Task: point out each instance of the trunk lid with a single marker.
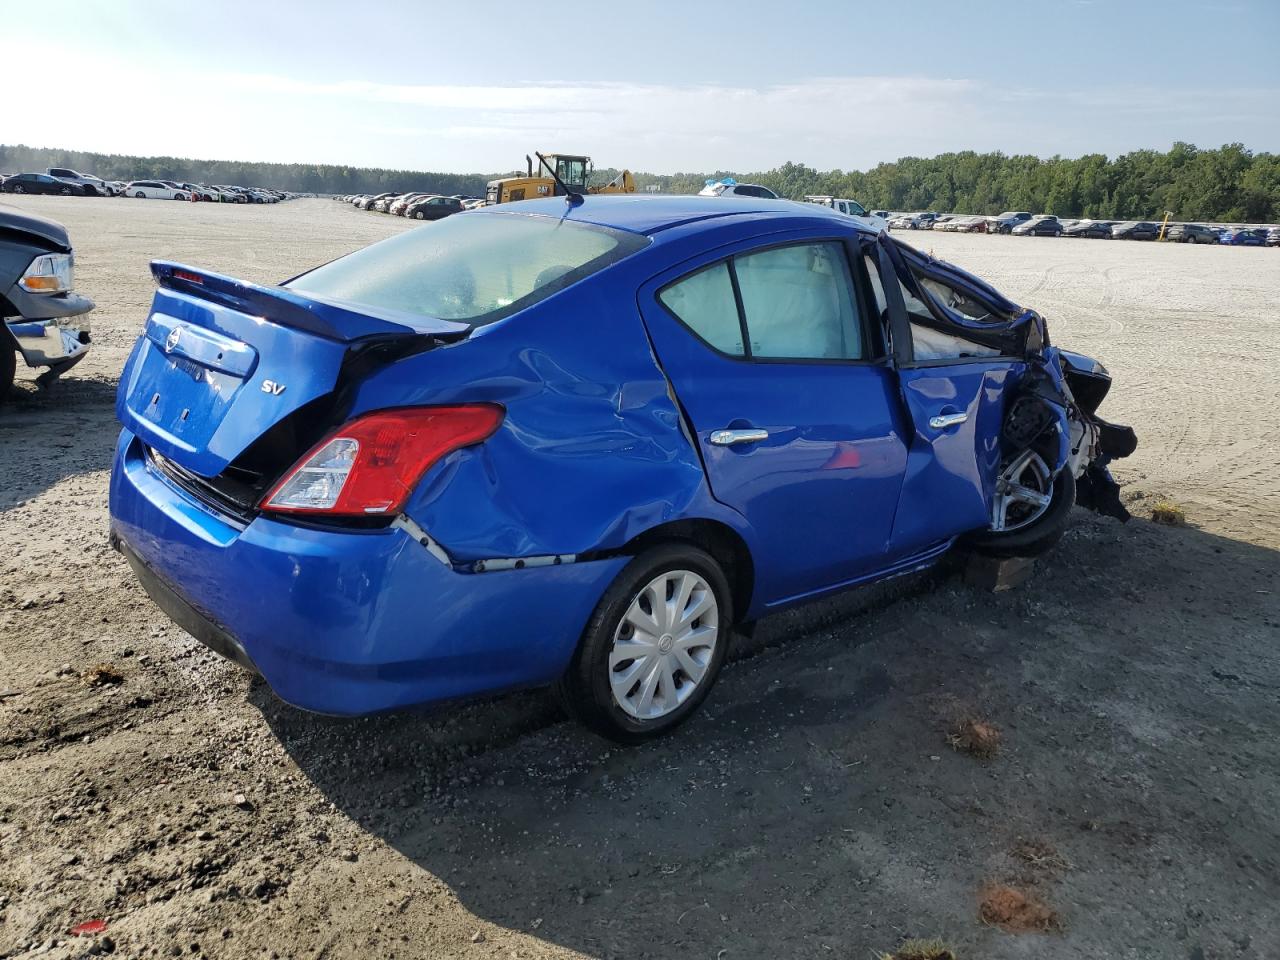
(222, 361)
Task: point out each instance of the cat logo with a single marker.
(273, 388)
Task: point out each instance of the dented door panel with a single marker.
(952, 462)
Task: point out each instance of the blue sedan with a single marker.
(575, 441)
(1241, 237)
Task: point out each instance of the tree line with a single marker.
(296, 177)
(1228, 183)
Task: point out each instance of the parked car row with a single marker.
(213, 193)
(62, 181)
(1021, 223)
(416, 206)
(43, 183)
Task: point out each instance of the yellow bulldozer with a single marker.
(564, 173)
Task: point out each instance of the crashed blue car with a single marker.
(575, 442)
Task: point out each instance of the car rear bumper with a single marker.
(345, 621)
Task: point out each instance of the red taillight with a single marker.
(370, 466)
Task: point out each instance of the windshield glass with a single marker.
(475, 268)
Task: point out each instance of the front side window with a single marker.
(928, 342)
(877, 288)
(952, 299)
(474, 269)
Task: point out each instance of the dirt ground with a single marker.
(816, 808)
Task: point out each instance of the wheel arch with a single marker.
(717, 538)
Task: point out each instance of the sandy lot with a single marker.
(814, 809)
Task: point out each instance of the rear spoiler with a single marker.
(323, 318)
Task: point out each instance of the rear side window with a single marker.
(476, 268)
(704, 302)
(797, 303)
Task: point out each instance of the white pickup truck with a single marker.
(851, 208)
(84, 179)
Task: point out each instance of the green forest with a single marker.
(1227, 183)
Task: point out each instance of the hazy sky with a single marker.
(657, 86)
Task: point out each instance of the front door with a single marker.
(955, 370)
(775, 360)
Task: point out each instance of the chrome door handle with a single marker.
(944, 420)
(727, 438)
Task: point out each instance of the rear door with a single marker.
(776, 365)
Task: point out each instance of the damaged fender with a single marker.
(592, 452)
(1053, 408)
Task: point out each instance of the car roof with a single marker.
(649, 213)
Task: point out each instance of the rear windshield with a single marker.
(475, 268)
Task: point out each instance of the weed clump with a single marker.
(921, 950)
(1169, 514)
(1013, 910)
(103, 675)
(978, 738)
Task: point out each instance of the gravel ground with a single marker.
(817, 807)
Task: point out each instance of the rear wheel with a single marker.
(140, 195)
(65, 191)
(653, 647)
(1030, 510)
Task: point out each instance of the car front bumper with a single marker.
(345, 622)
(50, 331)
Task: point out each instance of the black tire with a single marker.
(1035, 538)
(8, 362)
(19, 189)
(584, 689)
(419, 215)
(65, 192)
(140, 195)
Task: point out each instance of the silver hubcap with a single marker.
(664, 644)
(1024, 491)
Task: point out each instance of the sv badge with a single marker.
(273, 388)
